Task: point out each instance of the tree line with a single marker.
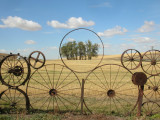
(80, 50)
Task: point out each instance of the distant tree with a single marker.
(65, 51)
(83, 51)
(95, 50)
(89, 49)
(75, 50)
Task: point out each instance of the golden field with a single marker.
(54, 87)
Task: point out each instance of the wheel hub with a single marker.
(13, 104)
(131, 59)
(153, 62)
(155, 88)
(111, 93)
(53, 92)
(17, 70)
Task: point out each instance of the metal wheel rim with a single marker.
(147, 65)
(131, 62)
(15, 99)
(106, 95)
(61, 54)
(36, 59)
(53, 92)
(4, 70)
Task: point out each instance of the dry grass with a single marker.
(68, 86)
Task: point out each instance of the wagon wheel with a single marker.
(56, 89)
(151, 62)
(37, 59)
(109, 89)
(150, 108)
(152, 88)
(131, 59)
(14, 70)
(13, 100)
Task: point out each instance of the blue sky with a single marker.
(28, 25)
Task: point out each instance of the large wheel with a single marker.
(152, 88)
(14, 70)
(80, 62)
(13, 100)
(109, 89)
(54, 88)
(151, 62)
(131, 59)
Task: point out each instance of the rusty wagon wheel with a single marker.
(131, 59)
(151, 62)
(150, 108)
(36, 59)
(54, 88)
(152, 88)
(109, 89)
(13, 100)
(14, 70)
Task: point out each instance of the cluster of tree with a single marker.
(80, 50)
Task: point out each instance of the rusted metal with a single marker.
(131, 59)
(53, 92)
(139, 78)
(77, 71)
(150, 108)
(152, 88)
(106, 91)
(35, 61)
(140, 100)
(111, 93)
(13, 100)
(14, 70)
(56, 89)
(150, 62)
(82, 95)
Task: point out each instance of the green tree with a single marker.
(75, 50)
(95, 48)
(83, 51)
(65, 51)
(89, 49)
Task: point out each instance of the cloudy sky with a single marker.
(28, 25)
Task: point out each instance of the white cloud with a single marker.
(125, 46)
(147, 27)
(105, 4)
(143, 40)
(3, 51)
(71, 23)
(17, 22)
(30, 42)
(118, 30)
(71, 39)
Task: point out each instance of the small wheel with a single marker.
(56, 89)
(131, 59)
(151, 62)
(152, 88)
(37, 59)
(13, 100)
(109, 89)
(14, 70)
(150, 108)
